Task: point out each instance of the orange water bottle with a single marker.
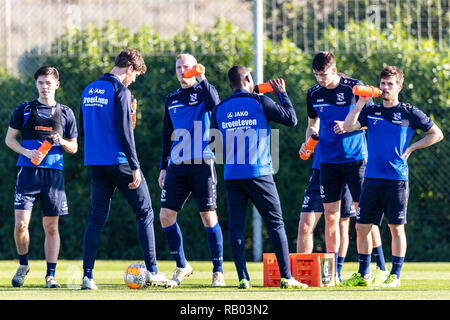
(194, 71)
(310, 145)
(44, 149)
(263, 88)
(366, 91)
(134, 108)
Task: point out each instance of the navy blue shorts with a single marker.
(383, 197)
(334, 176)
(106, 179)
(44, 184)
(312, 201)
(183, 179)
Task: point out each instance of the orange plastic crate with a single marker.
(314, 269)
(271, 271)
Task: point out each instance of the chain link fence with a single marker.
(305, 22)
(30, 26)
(29, 29)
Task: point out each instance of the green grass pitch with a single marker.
(419, 281)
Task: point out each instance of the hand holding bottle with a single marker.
(41, 152)
(307, 148)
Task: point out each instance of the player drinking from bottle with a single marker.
(390, 127)
(187, 166)
(244, 122)
(36, 121)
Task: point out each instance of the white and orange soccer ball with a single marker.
(135, 276)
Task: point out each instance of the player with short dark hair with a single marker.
(390, 127)
(47, 71)
(110, 152)
(36, 121)
(187, 166)
(243, 120)
(343, 155)
(133, 58)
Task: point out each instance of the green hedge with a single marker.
(426, 86)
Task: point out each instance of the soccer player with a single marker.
(36, 121)
(187, 166)
(343, 155)
(312, 209)
(390, 127)
(106, 124)
(243, 120)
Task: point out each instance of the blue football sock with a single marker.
(397, 264)
(340, 263)
(215, 242)
(364, 264)
(379, 257)
(51, 267)
(23, 259)
(175, 242)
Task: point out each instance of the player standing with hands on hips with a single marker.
(110, 152)
(187, 165)
(39, 122)
(342, 154)
(243, 120)
(390, 127)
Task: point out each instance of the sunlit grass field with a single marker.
(419, 281)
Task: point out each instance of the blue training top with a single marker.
(105, 122)
(316, 155)
(187, 119)
(20, 117)
(389, 131)
(330, 105)
(244, 122)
